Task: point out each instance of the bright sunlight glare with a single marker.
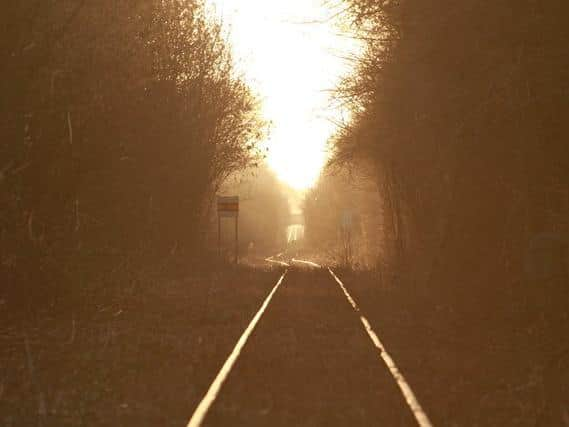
(293, 55)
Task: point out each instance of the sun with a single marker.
(292, 54)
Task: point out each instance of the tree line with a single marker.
(118, 123)
(458, 117)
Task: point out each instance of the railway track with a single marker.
(255, 357)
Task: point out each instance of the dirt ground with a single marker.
(145, 355)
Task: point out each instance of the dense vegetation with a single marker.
(459, 117)
(456, 161)
(118, 123)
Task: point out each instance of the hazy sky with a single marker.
(292, 65)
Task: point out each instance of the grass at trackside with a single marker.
(139, 354)
(499, 359)
(142, 348)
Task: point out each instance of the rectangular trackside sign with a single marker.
(228, 206)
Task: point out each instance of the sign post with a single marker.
(346, 227)
(228, 207)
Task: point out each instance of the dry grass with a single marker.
(140, 354)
